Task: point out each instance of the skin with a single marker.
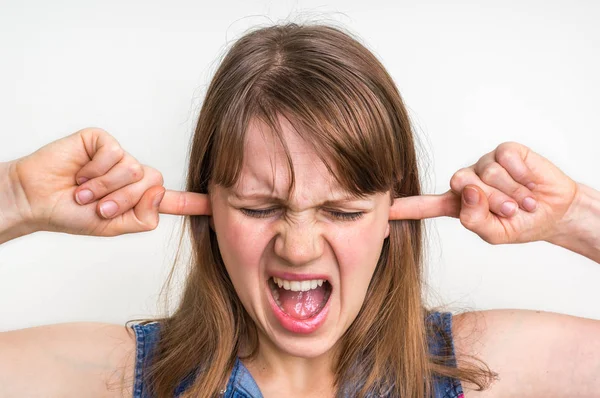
(300, 234)
(43, 191)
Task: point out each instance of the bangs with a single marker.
(329, 108)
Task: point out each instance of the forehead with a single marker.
(266, 167)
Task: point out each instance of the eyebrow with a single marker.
(255, 196)
(336, 201)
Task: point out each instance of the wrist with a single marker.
(13, 219)
(579, 230)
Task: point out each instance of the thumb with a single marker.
(146, 211)
(475, 209)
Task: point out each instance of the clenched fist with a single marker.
(87, 184)
(511, 195)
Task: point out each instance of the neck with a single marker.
(277, 372)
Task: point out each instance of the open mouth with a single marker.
(300, 300)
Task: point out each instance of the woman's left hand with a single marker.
(511, 195)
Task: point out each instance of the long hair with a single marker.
(339, 98)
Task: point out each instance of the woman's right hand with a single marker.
(86, 184)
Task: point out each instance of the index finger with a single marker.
(426, 206)
(185, 203)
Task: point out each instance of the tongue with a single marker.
(302, 305)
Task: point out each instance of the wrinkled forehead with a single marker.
(272, 162)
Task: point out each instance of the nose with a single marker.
(299, 243)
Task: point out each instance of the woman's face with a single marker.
(317, 242)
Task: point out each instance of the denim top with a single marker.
(242, 385)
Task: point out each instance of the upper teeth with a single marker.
(298, 286)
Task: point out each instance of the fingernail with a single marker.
(471, 196)
(157, 199)
(531, 186)
(529, 203)
(108, 209)
(81, 180)
(84, 196)
(508, 208)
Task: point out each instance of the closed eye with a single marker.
(345, 216)
(261, 213)
(339, 215)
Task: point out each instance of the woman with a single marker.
(305, 208)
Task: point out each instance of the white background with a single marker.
(473, 75)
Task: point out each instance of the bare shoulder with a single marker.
(67, 360)
(535, 353)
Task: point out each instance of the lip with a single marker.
(304, 326)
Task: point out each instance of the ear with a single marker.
(387, 227)
(396, 209)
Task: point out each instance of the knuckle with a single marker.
(492, 172)
(495, 197)
(459, 179)
(181, 203)
(508, 146)
(136, 171)
(154, 176)
(116, 150)
(520, 192)
(88, 130)
(125, 201)
(100, 185)
(159, 178)
(505, 153)
(508, 157)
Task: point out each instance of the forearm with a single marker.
(12, 223)
(580, 231)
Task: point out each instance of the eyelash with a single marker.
(340, 215)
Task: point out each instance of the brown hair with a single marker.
(339, 97)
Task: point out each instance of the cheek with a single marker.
(358, 249)
(357, 253)
(241, 243)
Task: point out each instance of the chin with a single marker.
(304, 346)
